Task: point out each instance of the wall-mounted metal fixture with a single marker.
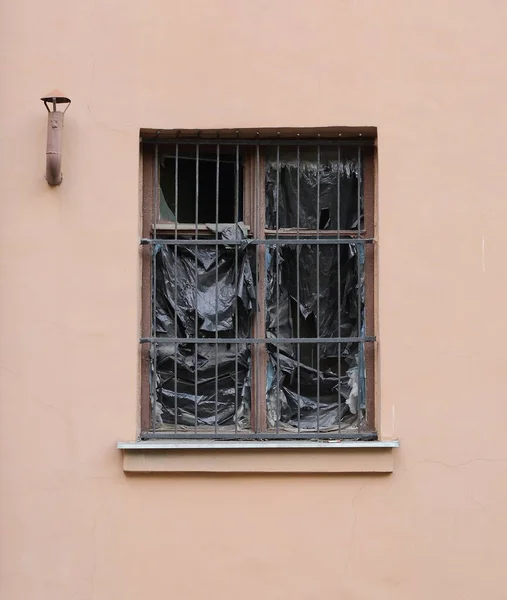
(54, 142)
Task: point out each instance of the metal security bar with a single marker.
(259, 258)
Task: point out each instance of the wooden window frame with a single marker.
(254, 218)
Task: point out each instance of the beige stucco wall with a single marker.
(431, 75)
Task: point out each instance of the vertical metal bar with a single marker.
(368, 179)
(318, 288)
(259, 254)
(259, 360)
(277, 250)
(298, 325)
(338, 275)
(217, 194)
(154, 347)
(236, 274)
(176, 168)
(196, 269)
(359, 294)
(256, 348)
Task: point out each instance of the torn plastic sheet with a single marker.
(186, 289)
(292, 385)
(334, 262)
(296, 406)
(314, 177)
(192, 279)
(221, 401)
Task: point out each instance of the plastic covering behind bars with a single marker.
(313, 171)
(212, 381)
(313, 386)
(308, 386)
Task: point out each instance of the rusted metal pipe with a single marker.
(54, 137)
(54, 148)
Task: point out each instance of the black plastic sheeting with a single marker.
(312, 174)
(330, 369)
(186, 289)
(225, 401)
(293, 184)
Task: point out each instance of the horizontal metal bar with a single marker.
(255, 242)
(263, 142)
(305, 231)
(191, 444)
(190, 228)
(149, 435)
(279, 341)
(194, 158)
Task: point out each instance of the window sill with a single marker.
(157, 456)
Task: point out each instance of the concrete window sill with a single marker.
(258, 457)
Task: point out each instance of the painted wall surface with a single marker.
(432, 76)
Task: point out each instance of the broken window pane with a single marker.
(207, 201)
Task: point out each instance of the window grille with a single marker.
(258, 277)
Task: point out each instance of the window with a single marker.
(258, 273)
